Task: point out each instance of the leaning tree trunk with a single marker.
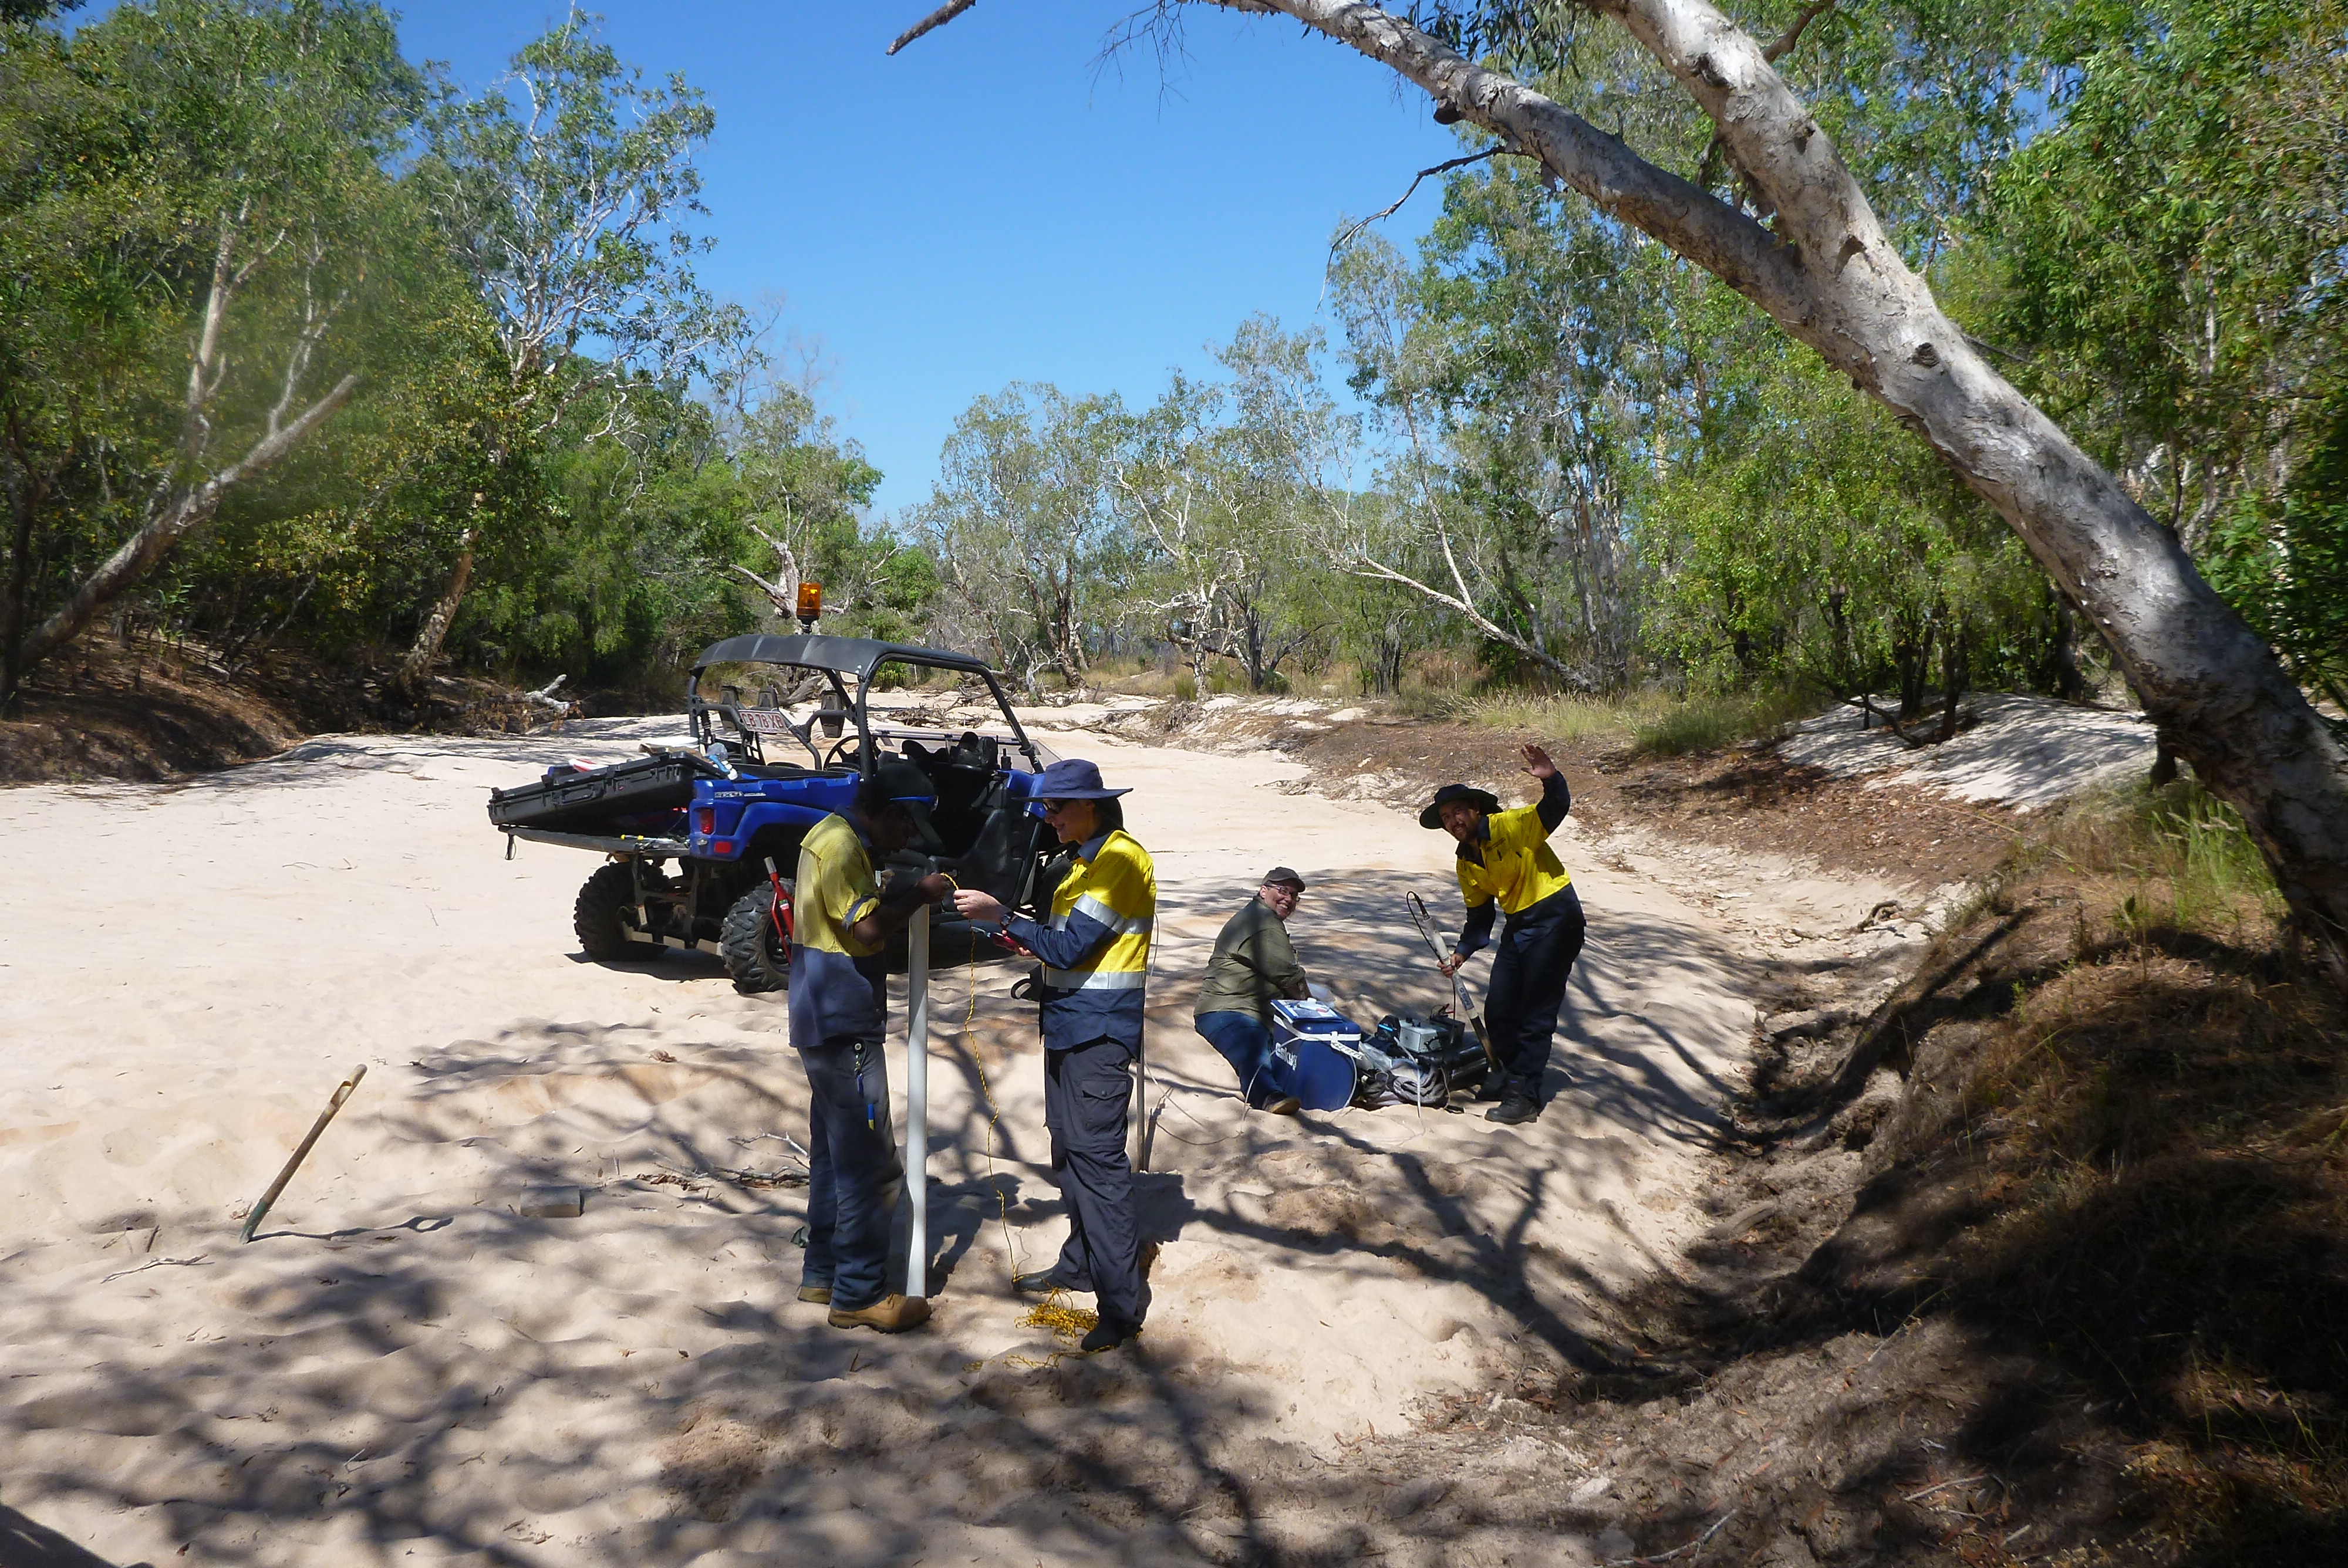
(435, 629)
(1830, 277)
(175, 514)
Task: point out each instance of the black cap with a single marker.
(1482, 800)
(1282, 873)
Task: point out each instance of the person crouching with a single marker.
(1254, 963)
(840, 1017)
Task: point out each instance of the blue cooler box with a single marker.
(1312, 1051)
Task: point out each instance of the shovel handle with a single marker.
(261, 1209)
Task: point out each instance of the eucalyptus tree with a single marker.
(1024, 523)
(1775, 210)
(563, 188)
(1501, 511)
(195, 224)
(1225, 482)
(2170, 259)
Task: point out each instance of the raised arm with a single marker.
(1556, 799)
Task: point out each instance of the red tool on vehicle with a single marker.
(780, 910)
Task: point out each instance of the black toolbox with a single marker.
(568, 798)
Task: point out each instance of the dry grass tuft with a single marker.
(2165, 1116)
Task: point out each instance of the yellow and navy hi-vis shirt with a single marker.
(1510, 864)
(1096, 951)
(839, 986)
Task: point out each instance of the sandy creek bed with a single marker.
(403, 1370)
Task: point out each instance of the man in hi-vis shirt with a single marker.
(840, 1015)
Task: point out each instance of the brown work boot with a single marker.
(1286, 1105)
(820, 1294)
(890, 1315)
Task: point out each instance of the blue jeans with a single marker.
(852, 1172)
(1241, 1039)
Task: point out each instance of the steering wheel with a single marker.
(844, 752)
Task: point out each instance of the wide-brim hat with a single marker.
(1484, 801)
(1072, 778)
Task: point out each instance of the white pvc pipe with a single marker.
(917, 1102)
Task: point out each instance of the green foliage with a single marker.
(508, 275)
(1710, 722)
(1639, 472)
(197, 235)
(2168, 260)
(2172, 248)
(1224, 485)
(562, 189)
(1025, 525)
(2283, 562)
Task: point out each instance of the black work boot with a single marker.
(1515, 1106)
(1109, 1334)
(1046, 1281)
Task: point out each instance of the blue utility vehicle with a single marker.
(703, 840)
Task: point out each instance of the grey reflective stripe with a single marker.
(1093, 909)
(1093, 979)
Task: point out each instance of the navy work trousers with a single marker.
(1534, 957)
(853, 1175)
(1086, 1092)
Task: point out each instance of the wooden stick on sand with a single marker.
(260, 1210)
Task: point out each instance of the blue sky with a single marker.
(985, 207)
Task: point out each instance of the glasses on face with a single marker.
(1055, 807)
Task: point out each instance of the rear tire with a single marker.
(605, 912)
(753, 950)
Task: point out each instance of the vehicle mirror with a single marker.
(833, 721)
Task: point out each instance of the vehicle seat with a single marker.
(962, 782)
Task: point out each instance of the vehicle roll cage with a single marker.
(842, 663)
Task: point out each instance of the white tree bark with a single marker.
(174, 516)
(783, 592)
(1826, 273)
(180, 503)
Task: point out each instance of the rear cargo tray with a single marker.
(569, 799)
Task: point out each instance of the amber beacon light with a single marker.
(811, 603)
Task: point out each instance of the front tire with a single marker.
(605, 912)
(753, 950)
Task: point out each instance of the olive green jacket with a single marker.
(1253, 963)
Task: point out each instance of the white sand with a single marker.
(2026, 752)
(402, 1370)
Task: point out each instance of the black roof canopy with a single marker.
(856, 656)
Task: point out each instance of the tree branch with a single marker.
(1708, 167)
(1345, 235)
(145, 549)
(1793, 35)
(930, 23)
